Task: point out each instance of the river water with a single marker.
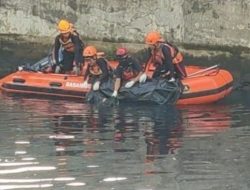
(49, 144)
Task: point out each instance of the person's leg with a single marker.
(156, 74)
(180, 70)
(67, 63)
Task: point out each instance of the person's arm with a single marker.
(78, 50)
(137, 69)
(56, 49)
(118, 77)
(86, 74)
(104, 67)
(117, 84)
(168, 60)
(148, 57)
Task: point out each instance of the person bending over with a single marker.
(67, 49)
(96, 71)
(128, 71)
(166, 59)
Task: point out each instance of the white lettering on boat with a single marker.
(77, 85)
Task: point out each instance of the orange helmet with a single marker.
(64, 26)
(89, 51)
(153, 37)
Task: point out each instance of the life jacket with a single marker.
(157, 57)
(95, 69)
(85, 66)
(68, 45)
(75, 33)
(128, 74)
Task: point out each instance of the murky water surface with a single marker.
(49, 144)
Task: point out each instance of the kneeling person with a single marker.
(128, 70)
(166, 59)
(97, 70)
(69, 45)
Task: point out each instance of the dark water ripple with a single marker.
(48, 144)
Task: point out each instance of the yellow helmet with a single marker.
(64, 26)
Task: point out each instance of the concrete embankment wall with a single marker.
(206, 23)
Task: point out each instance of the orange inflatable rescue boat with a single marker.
(203, 85)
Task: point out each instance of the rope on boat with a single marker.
(203, 71)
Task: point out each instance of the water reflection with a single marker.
(162, 127)
(77, 144)
(206, 120)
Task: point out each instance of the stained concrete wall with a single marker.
(217, 22)
(206, 22)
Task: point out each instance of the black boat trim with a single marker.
(57, 91)
(52, 91)
(207, 92)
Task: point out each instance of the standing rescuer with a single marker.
(96, 71)
(67, 48)
(166, 60)
(128, 70)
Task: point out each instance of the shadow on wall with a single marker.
(18, 53)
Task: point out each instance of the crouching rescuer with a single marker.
(128, 71)
(165, 59)
(67, 49)
(96, 68)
